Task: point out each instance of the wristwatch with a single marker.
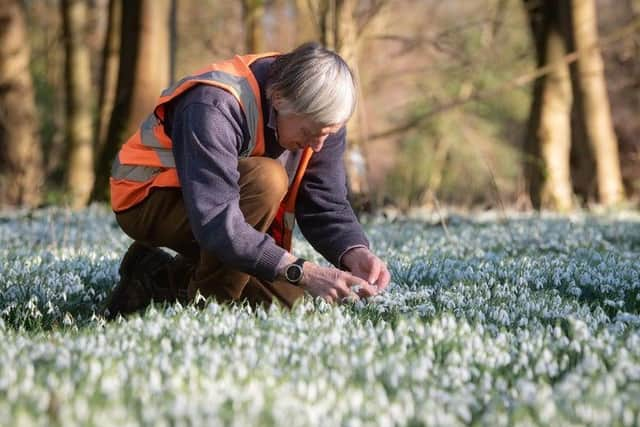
(294, 272)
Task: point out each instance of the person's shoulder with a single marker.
(205, 98)
(260, 68)
(206, 106)
(208, 95)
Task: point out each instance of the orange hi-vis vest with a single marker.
(146, 160)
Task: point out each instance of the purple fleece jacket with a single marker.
(209, 131)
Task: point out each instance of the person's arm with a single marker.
(206, 142)
(327, 220)
(323, 212)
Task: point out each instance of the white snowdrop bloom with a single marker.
(94, 370)
(460, 310)
(628, 417)
(110, 384)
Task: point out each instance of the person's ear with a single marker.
(277, 101)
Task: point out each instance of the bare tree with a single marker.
(142, 74)
(306, 27)
(173, 40)
(548, 139)
(593, 101)
(252, 15)
(79, 130)
(346, 42)
(570, 110)
(21, 176)
(341, 25)
(108, 73)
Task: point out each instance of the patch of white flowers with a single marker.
(518, 320)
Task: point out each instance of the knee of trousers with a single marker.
(263, 178)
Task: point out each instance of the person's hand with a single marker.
(334, 285)
(362, 263)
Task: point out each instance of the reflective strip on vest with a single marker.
(139, 173)
(135, 173)
(147, 137)
(289, 220)
(243, 90)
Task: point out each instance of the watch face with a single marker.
(293, 273)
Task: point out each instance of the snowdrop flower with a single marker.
(537, 313)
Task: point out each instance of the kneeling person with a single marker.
(228, 160)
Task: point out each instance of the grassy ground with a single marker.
(493, 320)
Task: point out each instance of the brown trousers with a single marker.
(161, 220)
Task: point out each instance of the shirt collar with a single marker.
(272, 122)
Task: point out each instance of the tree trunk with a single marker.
(338, 31)
(108, 73)
(21, 175)
(327, 22)
(547, 145)
(152, 67)
(142, 75)
(347, 45)
(306, 21)
(173, 40)
(78, 127)
(346, 38)
(593, 103)
(252, 14)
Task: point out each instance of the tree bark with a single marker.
(327, 22)
(346, 38)
(78, 129)
(108, 73)
(351, 23)
(593, 102)
(152, 67)
(142, 75)
(252, 15)
(338, 30)
(347, 45)
(547, 144)
(306, 26)
(21, 176)
(173, 40)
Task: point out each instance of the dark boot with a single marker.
(143, 278)
(180, 271)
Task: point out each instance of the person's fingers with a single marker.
(352, 280)
(383, 279)
(347, 287)
(367, 291)
(343, 290)
(351, 298)
(330, 296)
(360, 286)
(374, 271)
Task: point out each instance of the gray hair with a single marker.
(314, 81)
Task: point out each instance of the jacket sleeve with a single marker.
(206, 142)
(323, 212)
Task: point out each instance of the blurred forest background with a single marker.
(474, 103)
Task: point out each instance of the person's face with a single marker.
(296, 132)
